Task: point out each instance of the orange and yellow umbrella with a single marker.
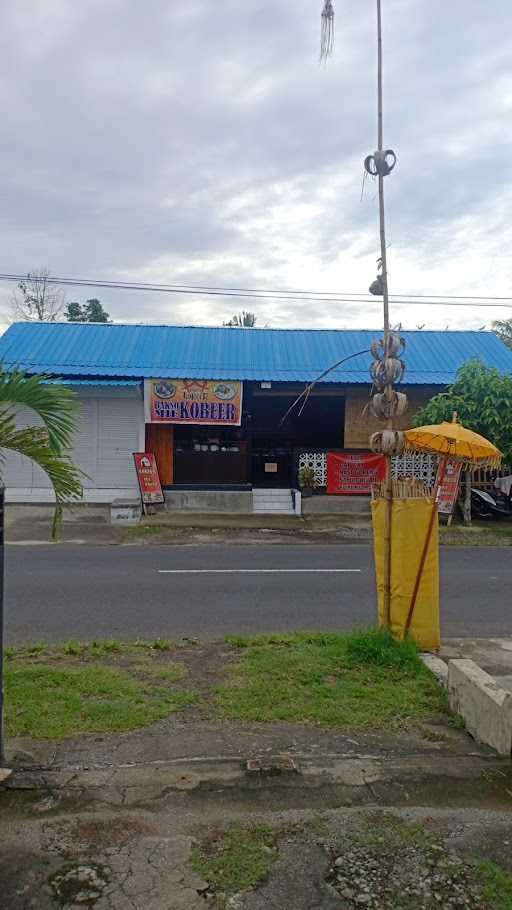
(454, 441)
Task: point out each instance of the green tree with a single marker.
(503, 329)
(74, 312)
(482, 397)
(242, 320)
(90, 311)
(47, 445)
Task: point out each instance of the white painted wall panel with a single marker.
(109, 431)
(118, 439)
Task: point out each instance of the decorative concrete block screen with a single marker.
(421, 466)
(415, 464)
(317, 461)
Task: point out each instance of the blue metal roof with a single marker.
(96, 382)
(85, 350)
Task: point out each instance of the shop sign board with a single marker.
(193, 401)
(449, 488)
(148, 477)
(350, 473)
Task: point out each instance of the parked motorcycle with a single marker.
(495, 505)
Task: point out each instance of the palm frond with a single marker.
(32, 442)
(57, 406)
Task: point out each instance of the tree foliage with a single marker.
(48, 444)
(503, 329)
(242, 320)
(90, 311)
(37, 298)
(482, 398)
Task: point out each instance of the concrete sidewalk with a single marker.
(493, 655)
(116, 822)
(89, 526)
(372, 819)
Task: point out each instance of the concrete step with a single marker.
(276, 502)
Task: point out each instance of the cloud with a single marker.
(203, 143)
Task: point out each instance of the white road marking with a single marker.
(243, 571)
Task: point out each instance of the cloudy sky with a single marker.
(200, 142)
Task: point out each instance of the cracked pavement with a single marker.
(109, 861)
(109, 822)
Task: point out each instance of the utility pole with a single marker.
(384, 272)
(387, 367)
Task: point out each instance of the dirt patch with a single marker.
(92, 836)
(206, 666)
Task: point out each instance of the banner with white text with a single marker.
(194, 401)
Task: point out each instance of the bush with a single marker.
(378, 647)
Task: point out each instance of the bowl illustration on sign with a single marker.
(224, 391)
(164, 389)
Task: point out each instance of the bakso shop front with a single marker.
(216, 408)
(238, 434)
(194, 427)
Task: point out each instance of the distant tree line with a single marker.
(38, 298)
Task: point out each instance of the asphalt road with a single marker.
(67, 591)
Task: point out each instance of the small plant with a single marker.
(497, 885)
(307, 478)
(73, 648)
(162, 644)
(108, 646)
(35, 649)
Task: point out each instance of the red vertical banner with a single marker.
(449, 488)
(350, 474)
(149, 480)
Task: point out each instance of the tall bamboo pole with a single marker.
(388, 388)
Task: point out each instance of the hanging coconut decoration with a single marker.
(327, 31)
(388, 406)
(386, 372)
(387, 442)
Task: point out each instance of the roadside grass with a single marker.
(355, 681)
(478, 534)
(497, 885)
(91, 650)
(56, 691)
(239, 859)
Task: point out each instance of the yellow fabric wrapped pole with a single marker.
(409, 525)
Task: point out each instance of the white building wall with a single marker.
(111, 428)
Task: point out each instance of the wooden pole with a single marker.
(428, 538)
(388, 490)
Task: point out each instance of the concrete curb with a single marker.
(484, 705)
(353, 779)
(437, 666)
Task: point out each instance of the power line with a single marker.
(262, 294)
(268, 291)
